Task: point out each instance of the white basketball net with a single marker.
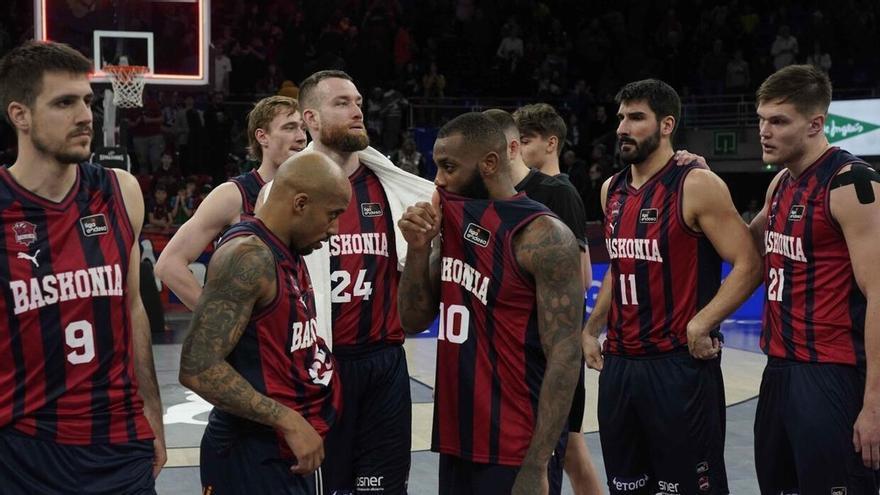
(128, 84)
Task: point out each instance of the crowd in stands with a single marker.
(571, 53)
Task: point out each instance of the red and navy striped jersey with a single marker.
(280, 352)
(662, 271)
(815, 311)
(249, 185)
(490, 363)
(363, 269)
(66, 360)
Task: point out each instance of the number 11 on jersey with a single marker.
(630, 287)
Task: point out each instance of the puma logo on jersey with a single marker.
(36, 293)
(367, 243)
(637, 249)
(459, 272)
(33, 259)
(786, 245)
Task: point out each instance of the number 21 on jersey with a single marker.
(776, 285)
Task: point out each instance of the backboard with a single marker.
(171, 37)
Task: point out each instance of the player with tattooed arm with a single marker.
(253, 350)
(501, 277)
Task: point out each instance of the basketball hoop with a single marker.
(128, 84)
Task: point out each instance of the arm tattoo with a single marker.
(418, 296)
(548, 250)
(241, 276)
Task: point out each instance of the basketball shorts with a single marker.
(368, 449)
(30, 466)
(462, 477)
(804, 430)
(661, 424)
(236, 462)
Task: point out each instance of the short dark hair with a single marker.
(661, 98)
(22, 69)
(541, 119)
(804, 86)
(307, 87)
(480, 131)
(503, 119)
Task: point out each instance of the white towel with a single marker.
(402, 189)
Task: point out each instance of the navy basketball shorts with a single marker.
(661, 424)
(30, 466)
(578, 403)
(368, 449)
(245, 463)
(462, 477)
(804, 430)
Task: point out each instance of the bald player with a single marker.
(253, 350)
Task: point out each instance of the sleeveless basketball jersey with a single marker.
(490, 363)
(814, 311)
(363, 268)
(66, 357)
(662, 272)
(249, 185)
(280, 353)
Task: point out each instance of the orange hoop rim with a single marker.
(126, 69)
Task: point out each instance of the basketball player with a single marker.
(275, 133)
(667, 227)
(369, 449)
(79, 403)
(562, 199)
(253, 350)
(817, 427)
(510, 312)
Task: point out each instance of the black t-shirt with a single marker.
(557, 194)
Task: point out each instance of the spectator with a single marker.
(820, 58)
(737, 79)
(160, 212)
(592, 191)
(289, 89)
(784, 49)
(511, 49)
(713, 68)
(393, 106)
(409, 159)
(222, 68)
(752, 210)
(434, 83)
(168, 175)
(182, 205)
(145, 127)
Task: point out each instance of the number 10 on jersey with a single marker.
(455, 322)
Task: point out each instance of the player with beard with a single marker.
(275, 133)
(667, 228)
(253, 349)
(817, 426)
(510, 315)
(369, 449)
(79, 402)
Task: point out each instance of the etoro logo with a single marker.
(629, 484)
(838, 127)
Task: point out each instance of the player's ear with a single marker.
(667, 125)
(513, 149)
(300, 203)
(262, 137)
(490, 163)
(18, 115)
(817, 124)
(552, 145)
(311, 119)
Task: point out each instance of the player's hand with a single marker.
(160, 455)
(531, 480)
(701, 344)
(683, 157)
(866, 434)
(592, 351)
(420, 224)
(306, 444)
